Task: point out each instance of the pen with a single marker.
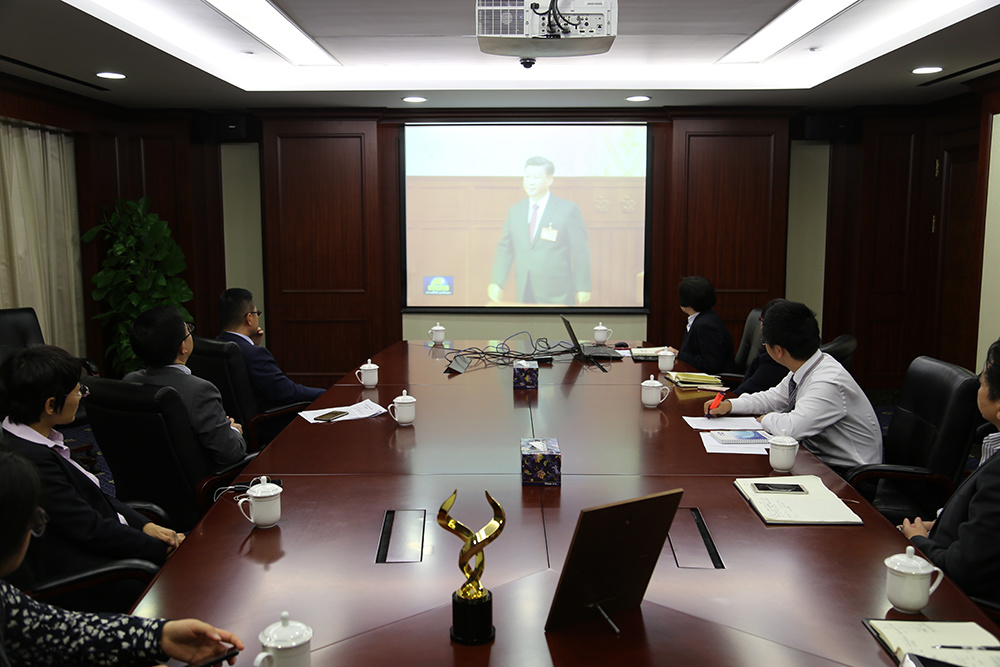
(968, 648)
(715, 403)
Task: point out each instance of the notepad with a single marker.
(920, 638)
(819, 505)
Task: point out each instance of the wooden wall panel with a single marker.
(331, 260)
(729, 215)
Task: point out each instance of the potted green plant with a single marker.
(141, 270)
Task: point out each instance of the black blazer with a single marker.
(964, 541)
(708, 345)
(83, 529)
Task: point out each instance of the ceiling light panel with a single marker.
(798, 20)
(262, 20)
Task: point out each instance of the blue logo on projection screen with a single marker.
(440, 285)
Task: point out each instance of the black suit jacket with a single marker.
(83, 529)
(271, 387)
(707, 345)
(965, 540)
(762, 374)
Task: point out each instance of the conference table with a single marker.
(728, 589)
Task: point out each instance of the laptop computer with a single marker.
(595, 351)
(612, 556)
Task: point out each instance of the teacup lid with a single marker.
(264, 489)
(404, 398)
(368, 366)
(909, 563)
(285, 633)
(782, 439)
(652, 382)
(666, 353)
(437, 327)
(600, 325)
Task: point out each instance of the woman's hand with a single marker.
(192, 640)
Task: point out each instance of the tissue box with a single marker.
(540, 462)
(525, 375)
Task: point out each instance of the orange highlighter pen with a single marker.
(715, 403)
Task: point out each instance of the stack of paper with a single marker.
(695, 381)
(818, 505)
(969, 644)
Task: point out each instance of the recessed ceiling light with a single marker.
(414, 99)
(110, 75)
(927, 70)
(637, 98)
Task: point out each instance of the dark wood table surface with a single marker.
(785, 595)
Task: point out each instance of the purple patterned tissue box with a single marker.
(541, 462)
(525, 375)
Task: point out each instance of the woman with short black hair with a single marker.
(37, 634)
(707, 344)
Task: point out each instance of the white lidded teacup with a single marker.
(367, 375)
(285, 644)
(654, 392)
(666, 360)
(783, 449)
(602, 333)
(908, 581)
(436, 333)
(263, 502)
(403, 409)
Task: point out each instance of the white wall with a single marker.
(808, 186)
(989, 314)
(241, 212)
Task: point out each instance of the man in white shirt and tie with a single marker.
(818, 403)
(545, 240)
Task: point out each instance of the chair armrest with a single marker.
(891, 471)
(118, 570)
(151, 511)
(90, 367)
(279, 411)
(223, 477)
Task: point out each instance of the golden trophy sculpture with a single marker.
(472, 605)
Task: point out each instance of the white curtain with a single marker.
(39, 231)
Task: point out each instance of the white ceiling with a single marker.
(666, 49)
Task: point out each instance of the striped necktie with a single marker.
(533, 222)
(792, 386)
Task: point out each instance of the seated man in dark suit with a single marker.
(162, 339)
(707, 344)
(39, 390)
(962, 541)
(241, 324)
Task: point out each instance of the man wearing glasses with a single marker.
(162, 339)
(241, 324)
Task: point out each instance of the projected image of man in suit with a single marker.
(546, 242)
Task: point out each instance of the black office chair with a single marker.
(221, 363)
(842, 349)
(145, 435)
(750, 345)
(928, 442)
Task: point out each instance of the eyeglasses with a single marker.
(258, 313)
(190, 330)
(84, 391)
(38, 522)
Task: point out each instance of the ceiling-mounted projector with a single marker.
(532, 29)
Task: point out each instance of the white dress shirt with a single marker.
(832, 417)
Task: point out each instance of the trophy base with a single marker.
(472, 620)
